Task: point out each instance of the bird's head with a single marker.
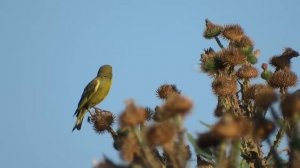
(105, 71)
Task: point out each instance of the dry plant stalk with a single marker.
(156, 138)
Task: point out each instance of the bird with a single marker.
(93, 93)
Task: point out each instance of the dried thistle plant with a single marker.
(250, 103)
(157, 138)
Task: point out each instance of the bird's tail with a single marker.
(80, 115)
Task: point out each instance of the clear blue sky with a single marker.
(51, 49)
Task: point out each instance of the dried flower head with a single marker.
(252, 91)
(232, 128)
(227, 129)
(211, 30)
(232, 56)
(290, 106)
(247, 72)
(289, 52)
(233, 32)
(262, 95)
(280, 62)
(157, 114)
(165, 91)
(283, 79)
(102, 120)
(211, 61)
(150, 113)
(207, 60)
(208, 139)
(160, 134)
(284, 60)
(176, 104)
(132, 115)
(224, 86)
(130, 148)
(265, 97)
(246, 44)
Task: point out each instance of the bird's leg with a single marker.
(90, 112)
(96, 108)
(90, 118)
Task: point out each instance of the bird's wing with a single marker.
(88, 92)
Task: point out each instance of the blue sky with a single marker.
(51, 49)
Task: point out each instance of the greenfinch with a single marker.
(93, 93)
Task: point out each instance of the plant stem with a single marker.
(151, 161)
(276, 142)
(219, 42)
(221, 156)
(181, 150)
(112, 132)
(234, 154)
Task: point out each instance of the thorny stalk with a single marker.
(242, 124)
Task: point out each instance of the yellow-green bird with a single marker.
(93, 93)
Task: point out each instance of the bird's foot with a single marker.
(97, 109)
